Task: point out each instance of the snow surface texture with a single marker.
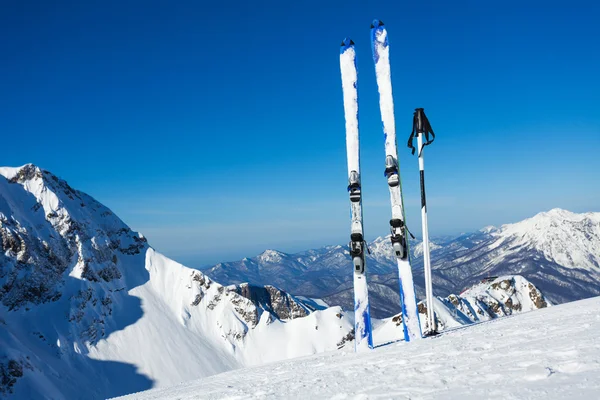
(89, 310)
(569, 239)
(548, 354)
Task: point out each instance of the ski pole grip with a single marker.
(419, 112)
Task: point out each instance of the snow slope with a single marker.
(547, 354)
(567, 238)
(89, 310)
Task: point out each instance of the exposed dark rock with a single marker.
(536, 297)
(26, 173)
(10, 370)
(274, 300)
(348, 338)
(109, 273)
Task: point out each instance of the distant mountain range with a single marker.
(559, 251)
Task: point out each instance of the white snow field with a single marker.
(552, 353)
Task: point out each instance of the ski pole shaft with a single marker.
(426, 254)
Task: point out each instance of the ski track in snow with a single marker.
(551, 353)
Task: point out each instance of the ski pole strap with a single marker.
(421, 125)
(409, 232)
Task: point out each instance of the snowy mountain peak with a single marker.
(418, 248)
(49, 229)
(271, 256)
(381, 239)
(558, 213)
(27, 171)
(564, 237)
(488, 229)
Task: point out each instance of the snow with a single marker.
(418, 248)
(567, 238)
(11, 172)
(147, 322)
(488, 229)
(169, 317)
(272, 256)
(164, 323)
(499, 290)
(551, 353)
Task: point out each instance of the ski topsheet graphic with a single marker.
(381, 56)
(362, 319)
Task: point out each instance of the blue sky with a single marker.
(217, 128)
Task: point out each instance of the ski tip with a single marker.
(346, 44)
(376, 24)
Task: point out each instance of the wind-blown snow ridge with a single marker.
(547, 354)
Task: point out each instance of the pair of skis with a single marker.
(410, 314)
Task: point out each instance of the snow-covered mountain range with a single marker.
(558, 251)
(88, 309)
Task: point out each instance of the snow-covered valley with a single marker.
(548, 354)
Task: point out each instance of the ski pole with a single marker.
(421, 127)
